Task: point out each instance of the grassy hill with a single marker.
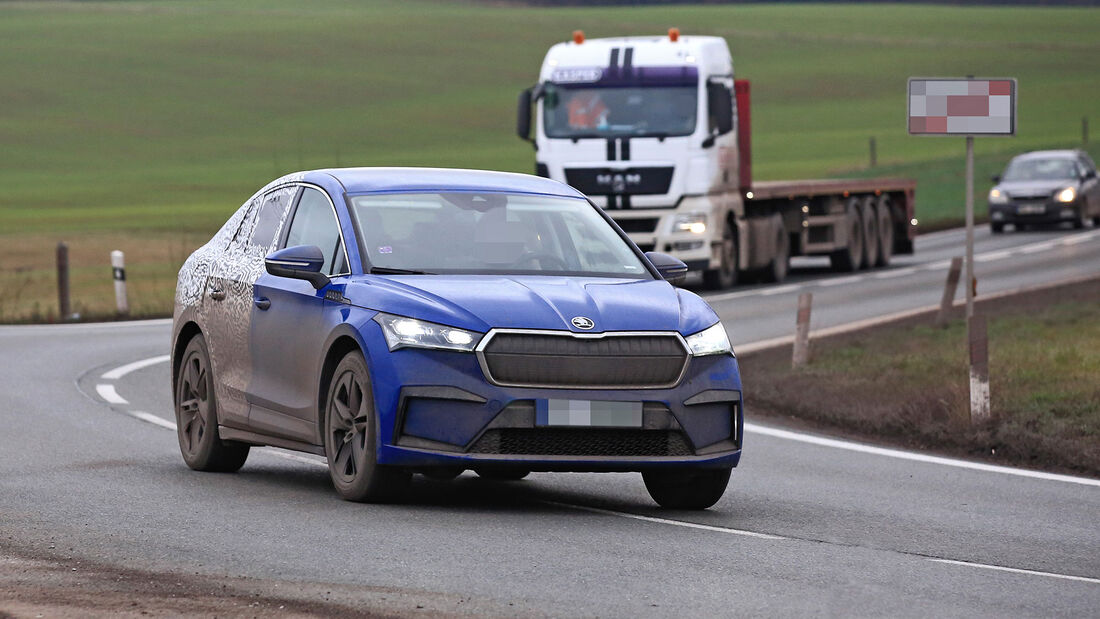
(142, 125)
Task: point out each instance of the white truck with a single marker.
(656, 130)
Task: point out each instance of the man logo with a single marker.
(581, 322)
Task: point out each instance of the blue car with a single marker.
(403, 320)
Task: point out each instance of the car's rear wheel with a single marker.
(507, 474)
(351, 438)
(692, 489)
(197, 415)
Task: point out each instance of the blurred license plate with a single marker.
(588, 413)
(1031, 209)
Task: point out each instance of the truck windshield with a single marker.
(490, 233)
(571, 112)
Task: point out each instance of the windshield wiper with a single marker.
(393, 271)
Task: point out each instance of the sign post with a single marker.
(968, 107)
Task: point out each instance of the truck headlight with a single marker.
(996, 196)
(690, 222)
(403, 332)
(710, 341)
(1069, 194)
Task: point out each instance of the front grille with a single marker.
(631, 181)
(612, 361)
(582, 442)
(646, 224)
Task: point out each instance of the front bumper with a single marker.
(1034, 212)
(436, 408)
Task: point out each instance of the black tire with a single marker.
(442, 474)
(1082, 216)
(197, 415)
(693, 489)
(869, 218)
(996, 227)
(351, 438)
(1096, 221)
(726, 275)
(885, 232)
(848, 258)
(506, 474)
(776, 270)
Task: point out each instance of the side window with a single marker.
(273, 207)
(315, 224)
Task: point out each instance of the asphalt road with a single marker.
(90, 473)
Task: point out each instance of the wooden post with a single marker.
(63, 305)
(800, 355)
(874, 153)
(118, 272)
(979, 369)
(949, 288)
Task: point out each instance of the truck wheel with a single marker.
(698, 489)
(724, 276)
(885, 232)
(848, 258)
(870, 233)
(776, 270)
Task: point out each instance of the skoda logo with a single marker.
(581, 322)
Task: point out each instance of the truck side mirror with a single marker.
(720, 107)
(523, 115)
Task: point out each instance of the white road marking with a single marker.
(895, 273)
(1037, 247)
(781, 289)
(993, 255)
(913, 456)
(726, 296)
(1080, 238)
(1014, 570)
(675, 523)
(107, 392)
(123, 370)
(153, 419)
(840, 281)
(936, 266)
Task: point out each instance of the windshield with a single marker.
(1041, 170)
(492, 233)
(611, 112)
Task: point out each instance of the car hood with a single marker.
(482, 302)
(1035, 189)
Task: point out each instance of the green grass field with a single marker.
(144, 124)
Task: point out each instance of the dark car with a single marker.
(1046, 187)
(404, 321)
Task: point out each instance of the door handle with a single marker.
(263, 303)
(217, 294)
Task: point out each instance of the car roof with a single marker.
(368, 180)
(1050, 154)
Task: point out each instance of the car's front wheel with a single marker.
(197, 415)
(351, 438)
(691, 489)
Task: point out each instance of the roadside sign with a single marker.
(962, 106)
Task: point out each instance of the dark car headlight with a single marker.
(710, 341)
(404, 332)
(996, 196)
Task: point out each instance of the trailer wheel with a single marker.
(885, 232)
(848, 258)
(776, 270)
(869, 217)
(724, 276)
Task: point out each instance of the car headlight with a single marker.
(690, 222)
(996, 196)
(403, 332)
(710, 341)
(1069, 194)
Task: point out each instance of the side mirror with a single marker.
(1090, 174)
(672, 269)
(523, 115)
(996, 178)
(299, 262)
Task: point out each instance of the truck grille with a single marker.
(629, 361)
(648, 224)
(631, 181)
(582, 442)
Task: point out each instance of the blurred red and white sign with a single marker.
(950, 106)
